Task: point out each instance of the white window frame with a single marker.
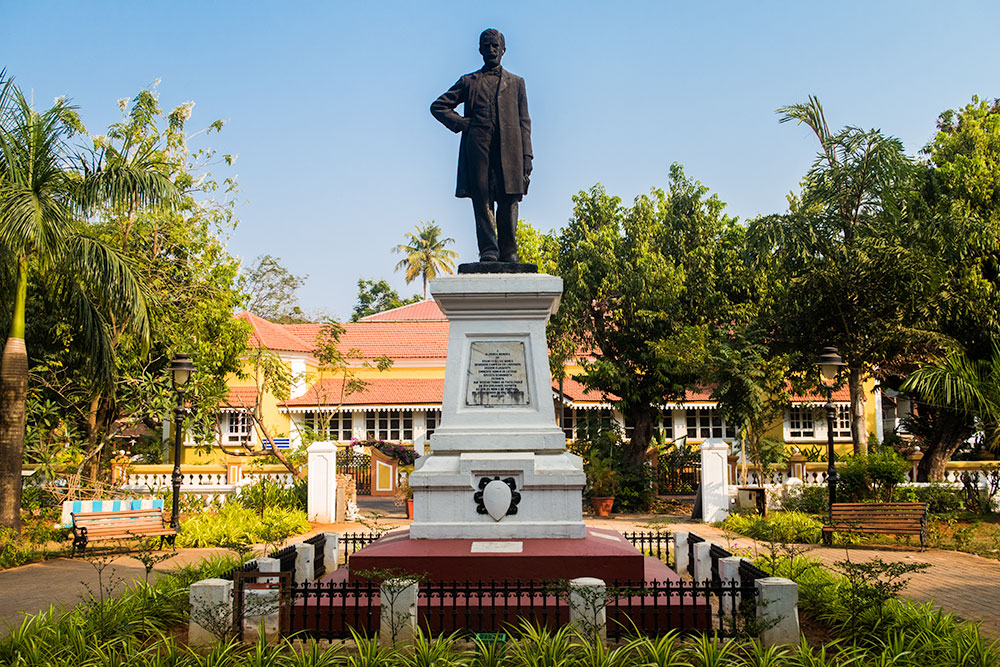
(239, 427)
(801, 423)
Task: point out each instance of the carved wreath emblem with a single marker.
(496, 497)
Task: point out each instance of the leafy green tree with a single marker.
(270, 290)
(536, 247)
(959, 196)
(850, 269)
(645, 287)
(426, 254)
(47, 191)
(377, 296)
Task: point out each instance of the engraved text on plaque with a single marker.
(498, 374)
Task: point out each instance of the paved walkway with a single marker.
(963, 584)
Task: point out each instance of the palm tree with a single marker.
(963, 390)
(426, 255)
(47, 191)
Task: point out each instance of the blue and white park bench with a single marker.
(92, 520)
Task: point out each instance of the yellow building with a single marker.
(403, 403)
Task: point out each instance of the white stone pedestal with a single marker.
(714, 479)
(322, 492)
(497, 419)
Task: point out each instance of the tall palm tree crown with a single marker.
(48, 190)
(426, 254)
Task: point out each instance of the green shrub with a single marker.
(871, 478)
(852, 482)
(812, 500)
(940, 499)
(266, 493)
(776, 527)
(235, 524)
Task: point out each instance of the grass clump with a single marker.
(791, 527)
(235, 524)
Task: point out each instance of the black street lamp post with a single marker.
(181, 369)
(830, 363)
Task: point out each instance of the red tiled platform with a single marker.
(603, 554)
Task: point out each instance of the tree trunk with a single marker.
(950, 430)
(859, 425)
(13, 396)
(643, 420)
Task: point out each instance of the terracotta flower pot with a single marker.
(409, 508)
(602, 505)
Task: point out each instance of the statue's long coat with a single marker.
(515, 128)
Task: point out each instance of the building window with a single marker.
(432, 422)
(704, 424)
(842, 422)
(664, 425)
(338, 428)
(580, 424)
(800, 422)
(389, 424)
(239, 426)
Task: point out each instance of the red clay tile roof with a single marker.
(380, 391)
(273, 336)
(576, 392)
(397, 340)
(841, 395)
(422, 311)
(242, 397)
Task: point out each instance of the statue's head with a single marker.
(492, 46)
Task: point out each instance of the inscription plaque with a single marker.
(498, 374)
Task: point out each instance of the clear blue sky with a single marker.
(327, 103)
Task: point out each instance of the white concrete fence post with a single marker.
(729, 572)
(261, 613)
(714, 479)
(398, 602)
(702, 562)
(778, 610)
(681, 552)
(331, 552)
(322, 494)
(211, 605)
(587, 606)
(305, 563)
(268, 565)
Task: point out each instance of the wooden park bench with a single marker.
(885, 518)
(119, 525)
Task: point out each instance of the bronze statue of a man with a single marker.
(494, 156)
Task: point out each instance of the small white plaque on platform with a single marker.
(497, 547)
(497, 374)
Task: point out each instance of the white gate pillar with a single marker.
(322, 496)
(714, 479)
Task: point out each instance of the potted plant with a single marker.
(404, 494)
(603, 480)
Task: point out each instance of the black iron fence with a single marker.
(654, 543)
(351, 542)
(749, 573)
(358, 466)
(692, 540)
(717, 553)
(330, 609)
(319, 554)
(286, 559)
(657, 607)
(249, 566)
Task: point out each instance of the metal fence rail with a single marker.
(692, 540)
(328, 610)
(717, 553)
(651, 543)
(657, 607)
(471, 607)
(286, 559)
(249, 566)
(319, 554)
(355, 542)
(749, 573)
